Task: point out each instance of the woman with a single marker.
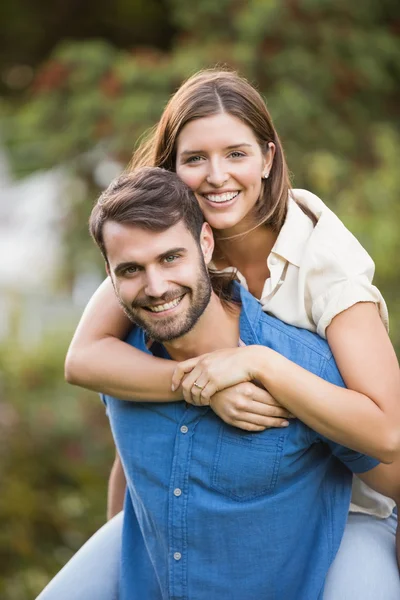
(306, 269)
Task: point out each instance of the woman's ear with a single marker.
(207, 243)
(268, 160)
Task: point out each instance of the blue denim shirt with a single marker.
(216, 513)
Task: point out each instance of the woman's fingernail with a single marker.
(173, 387)
(284, 423)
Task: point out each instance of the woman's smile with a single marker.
(221, 198)
(220, 159)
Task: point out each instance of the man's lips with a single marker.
(168, 303)
(157, 308)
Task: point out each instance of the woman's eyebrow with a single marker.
(232, 147)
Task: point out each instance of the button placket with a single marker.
(178, 508)
(278, 269)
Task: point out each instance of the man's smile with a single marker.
(158, 308)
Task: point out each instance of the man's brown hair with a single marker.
(154, 199)
(150, 198)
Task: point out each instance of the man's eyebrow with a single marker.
(124, 265)
(130, 263)
(233, 147)
(172, 251)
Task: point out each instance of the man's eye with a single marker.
(130, 270)
(171, 258)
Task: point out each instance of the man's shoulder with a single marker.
(270, 328)
(301, 346)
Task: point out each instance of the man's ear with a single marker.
(207, 242)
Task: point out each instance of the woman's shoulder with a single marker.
(335, 269)
(330, 242)
(310, 200)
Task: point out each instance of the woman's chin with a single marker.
(223, 223)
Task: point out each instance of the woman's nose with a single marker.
(217, 176)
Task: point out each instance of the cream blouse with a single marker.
(316, 273)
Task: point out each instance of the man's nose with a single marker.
(155, 285)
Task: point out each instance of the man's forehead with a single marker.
(131, 243)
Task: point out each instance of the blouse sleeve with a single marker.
(338, 273)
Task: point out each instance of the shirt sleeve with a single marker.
(337, 273)
(356, 462)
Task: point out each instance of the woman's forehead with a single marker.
(222, 129)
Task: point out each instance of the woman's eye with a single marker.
(236, 154)
(193, 159)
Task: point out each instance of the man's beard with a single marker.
(175, 326)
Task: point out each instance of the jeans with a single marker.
(365, 567)
(93, 572)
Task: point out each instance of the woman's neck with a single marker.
(248, 253)
(246, 250)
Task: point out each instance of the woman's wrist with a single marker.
(265, 364)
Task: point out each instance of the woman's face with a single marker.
(220, 159)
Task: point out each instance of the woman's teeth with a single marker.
(221, 197)
(167, 306)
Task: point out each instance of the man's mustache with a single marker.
(164, 299)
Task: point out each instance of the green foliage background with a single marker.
(329, 71)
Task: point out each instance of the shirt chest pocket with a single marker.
(246, 465)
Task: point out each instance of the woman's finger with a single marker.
(205, 394)
(264, 410)
(197, 393)
(181, 370)
(261, 395)
(245, 406)
(248, 426)
(192, 386)
(260, 421)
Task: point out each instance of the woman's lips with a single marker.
(221, 198)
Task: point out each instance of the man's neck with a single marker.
(217, 328)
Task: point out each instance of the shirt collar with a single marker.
(294, 235)
(250, 314)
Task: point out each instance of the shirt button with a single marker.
(177, 555)
(177, 492)
(273, 260)
(184, 429)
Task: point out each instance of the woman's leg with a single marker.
(365, 567)
(93, 572)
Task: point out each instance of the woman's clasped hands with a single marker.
(226, 381)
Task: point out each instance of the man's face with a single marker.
(160, 278)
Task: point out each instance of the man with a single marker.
(212, 511)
